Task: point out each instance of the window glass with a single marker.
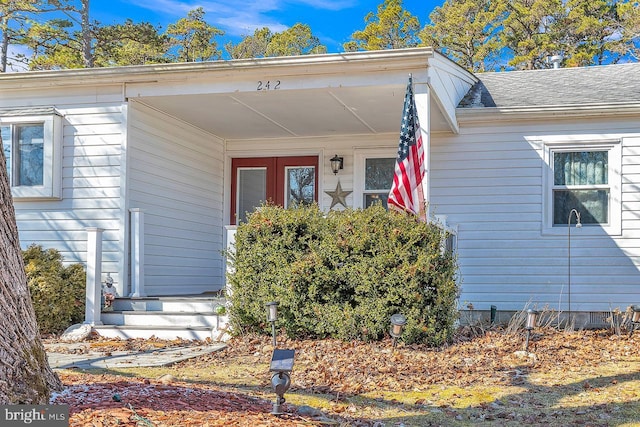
(581, 182)
(30, 155)
(378, 180)
(5, 133)
(300, 183)
(593, 206)
(581, 168)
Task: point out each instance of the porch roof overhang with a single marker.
(276, 98)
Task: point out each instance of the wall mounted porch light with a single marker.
(635, 318)
(272, 316)
(532, 320)
(336, 163)
(397, 324)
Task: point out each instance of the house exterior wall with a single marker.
(347, 146)
(175, 175)
(489, 183)
(93, 131)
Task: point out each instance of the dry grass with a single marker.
(570, 378)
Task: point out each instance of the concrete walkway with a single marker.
(79, 355)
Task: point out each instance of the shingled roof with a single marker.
(597, 85)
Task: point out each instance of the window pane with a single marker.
(301, 183)
(252, 191)
(30, 155)
(581, 168)
(379, 174)
(5, 132)
(593, 206)
(372, 198)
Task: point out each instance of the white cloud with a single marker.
(239, 18)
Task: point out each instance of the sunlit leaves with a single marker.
(193, 38)
(392, 27)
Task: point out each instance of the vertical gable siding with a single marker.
(176, 177)
(488, 182)
(92, 148)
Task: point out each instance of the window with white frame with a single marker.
(378, 178)
(585, 177)
(31, 146)
(373, 177)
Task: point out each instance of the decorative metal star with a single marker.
(338, 196)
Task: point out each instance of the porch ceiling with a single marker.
(274, 114)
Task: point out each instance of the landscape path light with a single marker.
(635, 317)
(281, 367)
(397, 324)
(272, 316)
(532, 320)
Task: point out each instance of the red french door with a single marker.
(285, 181)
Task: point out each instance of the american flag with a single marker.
(406, 193)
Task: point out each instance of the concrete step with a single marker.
(173, 304)
(195, 317)
(163, 318)
(165, 333)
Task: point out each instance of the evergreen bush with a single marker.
(342, 274)
(57, 291)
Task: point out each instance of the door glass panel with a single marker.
(300, 185)
(252, 190)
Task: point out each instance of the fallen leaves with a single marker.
(574, 377)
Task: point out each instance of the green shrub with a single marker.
(57, 292)
(342, 274)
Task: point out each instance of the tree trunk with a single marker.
(25, 375)
(4, 46)
(87, 55)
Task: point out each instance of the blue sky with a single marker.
(333, 21)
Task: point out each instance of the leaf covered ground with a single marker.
(582, 378)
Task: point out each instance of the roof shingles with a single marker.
(596, 85)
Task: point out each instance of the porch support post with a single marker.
(93, 299)
(137, 253)
(230, 241)
(423, 109)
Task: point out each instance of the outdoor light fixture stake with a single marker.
(336, 163)
(635, 318)
(281, 366)
(532, 319)
(578, 225)
(272, 316)
(397, 323)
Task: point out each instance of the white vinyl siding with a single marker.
(175, 175)
(91, 142)
(490, 183)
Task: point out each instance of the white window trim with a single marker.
(614, 147)
(52, 161)
(359, 159)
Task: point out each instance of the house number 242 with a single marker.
(268, 85)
